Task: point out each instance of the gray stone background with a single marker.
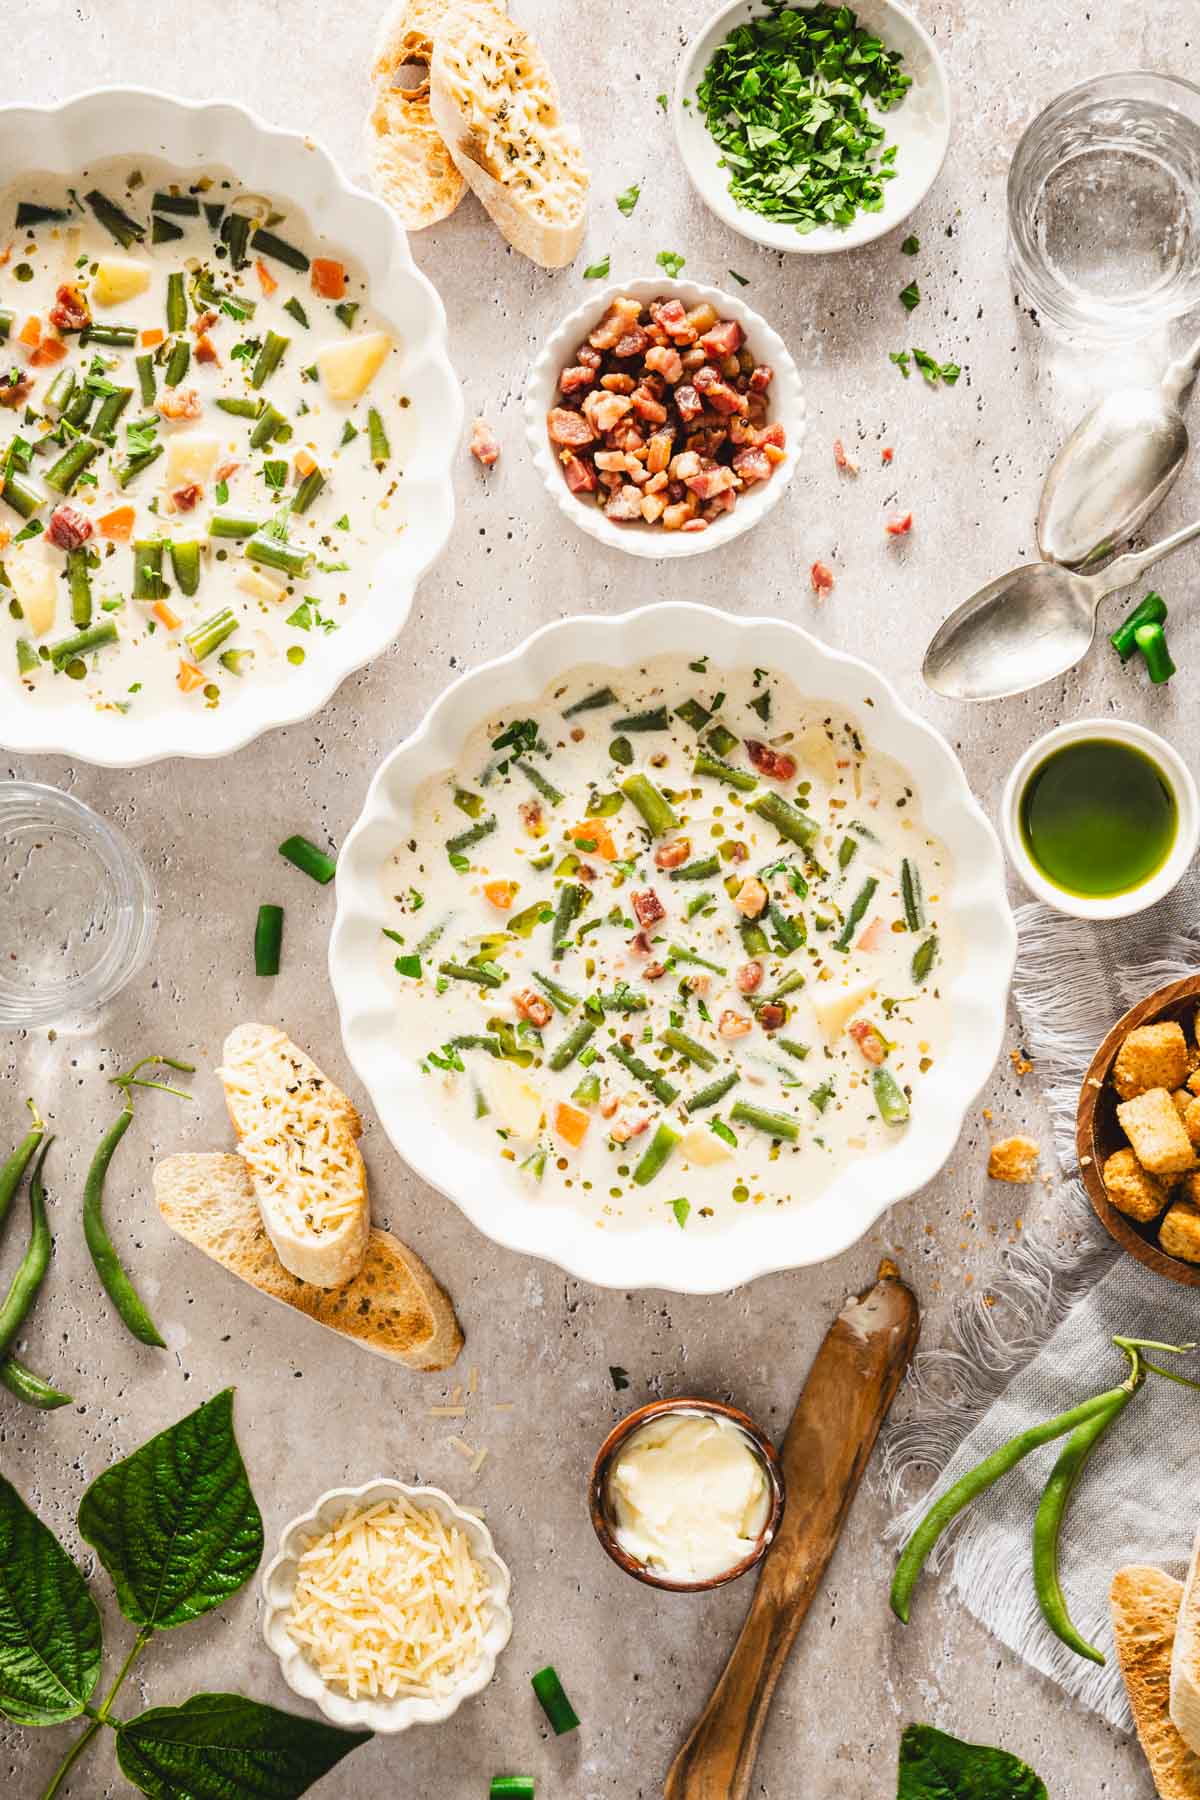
(311, 1411)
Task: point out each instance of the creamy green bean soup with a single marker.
(672, 937)
(201, 430)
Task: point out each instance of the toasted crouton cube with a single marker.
(1131, 1190)
(1181, 1099)
(1156, 1133)
(1191, 1118)
(1193, 1082)
(1187, 1187)
(1014, 1159)
(1179, 1233)
(1152, 1056)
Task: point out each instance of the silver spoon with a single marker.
(1118, 464)
(1030, 625)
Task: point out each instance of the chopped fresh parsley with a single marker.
(619, 1377)
(275, 474)
(662, 101)
(671, 261)
(597, 271)
(742, 280)
(933, 370)
(910, 297)
(629, 199)
(681, 1209)
(342, 524)
(901, 360)
(911, 245)
(785, 98)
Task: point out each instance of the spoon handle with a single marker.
(1180, 374)
(1132, 566)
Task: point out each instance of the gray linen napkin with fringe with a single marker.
(1045, 1343)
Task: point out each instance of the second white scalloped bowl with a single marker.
(279, 1585)
(638, 539)
(491, 1192)
(194, 135)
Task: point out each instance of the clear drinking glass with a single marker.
(77, 911)
(1104, 206)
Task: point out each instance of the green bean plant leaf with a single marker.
(50, 1637)
(176, 1524)
(224, 1747)
(934, 1766)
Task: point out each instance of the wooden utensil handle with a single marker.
(845, 1400)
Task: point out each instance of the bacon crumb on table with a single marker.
(662, 415)
(899, 524)
(822, 580)
(484, 445)
(843, 461)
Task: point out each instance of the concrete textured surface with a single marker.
(311, 1411)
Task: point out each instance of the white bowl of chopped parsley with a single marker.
(812, 128)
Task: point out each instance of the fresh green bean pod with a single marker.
(923, 958)
(185, 564)
(241, 407)
(799, 827)
(23, 1290)
(231, 525)
(95, 637)
(266, 243)
(538, 781)
(178, 362)
(1048, 1522)
(656, 1153)
(24, 1385)
(713, 1093)
(269, 357)
(688, 1046)
(113, 337)
(109, 1267)
(111, 408)
(654, 1079)
(577, 1039)
(65, 472)
(148, 583)
(147, 378)
(977, 1481)
(308, 490)
(654, 807)
(1150, 611)
(718, 770)
(60, 392)
(177, 312)
(136, 465)
(776, 1125)
(858, 907)
(571, 898)
(79, 586)
(12, 1173)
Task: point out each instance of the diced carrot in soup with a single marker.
(500, 893)
(50, 350)
(151, 339)
(570, 1123)
(266, 280)
(593, 836)
(117, 525)
(328, 278)
(189, 677)
(30, 332)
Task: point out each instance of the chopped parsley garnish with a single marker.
(671, 261)
(629, 199)
(619, 1377)
(785, 98)
(933, 370)
(222, 491)
(308, 617)
(662, 101)
(139, 437)
(742, 280)
(349, 433)
(342, 524)
(911, 245)
(28, 531)
(597, 271)
(910, 297)
(681, 1209)
(901, 359)
(275, 474)
(410, 966)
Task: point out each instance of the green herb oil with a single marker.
(1098, 817)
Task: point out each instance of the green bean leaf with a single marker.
(934, 1766)
(175, 1524)
(49, 1625)
(223, 1747)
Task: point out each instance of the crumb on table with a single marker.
(1014, 1159)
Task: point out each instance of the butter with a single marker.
(690, 1496)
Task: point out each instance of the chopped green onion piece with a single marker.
(1150, 611)
(554, 1702)
(306, 857)
(602, 697)
(268, 940)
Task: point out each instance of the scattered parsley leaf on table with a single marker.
(911, 245)
(742, 280)
(629, 199)
(910, 297)
(900, 358)
(681, 1209)
(785, 99)
(671, 261)
(935, 1766)
(662, 101)
(597, 271)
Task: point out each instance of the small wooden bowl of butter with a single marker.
(686, 1494)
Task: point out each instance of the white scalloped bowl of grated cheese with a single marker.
(387, 1605)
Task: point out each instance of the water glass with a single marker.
(1104, 207)
(77, 911)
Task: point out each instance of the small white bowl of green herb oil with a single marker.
(1101, 818)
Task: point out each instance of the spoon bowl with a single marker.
(1020, 630)
(1115, 469)
(1030, 625)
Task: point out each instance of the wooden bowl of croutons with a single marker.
(1138, 1131)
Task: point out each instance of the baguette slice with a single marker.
(1185, 1663)
(297, 1133)
(410, 165)
(496, 104)
(393, 1306)
(1145, 1607)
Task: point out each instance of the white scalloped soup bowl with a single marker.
(758, 1241)
(192, 136)
(279, 1585)
(637, 538)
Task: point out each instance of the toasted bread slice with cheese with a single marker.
(297, 1133)
(393, 1306)
(1185, 1662)
(410, 165)
(1145, 1607)
(496, 104)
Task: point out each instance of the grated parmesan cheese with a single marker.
(390, 1602)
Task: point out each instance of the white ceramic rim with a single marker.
(69, 731)
(1187, 836)
(279, 1582)
(787, 406)
(660, 1255)
(712, 190)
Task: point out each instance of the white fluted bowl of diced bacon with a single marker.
(665, 418)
